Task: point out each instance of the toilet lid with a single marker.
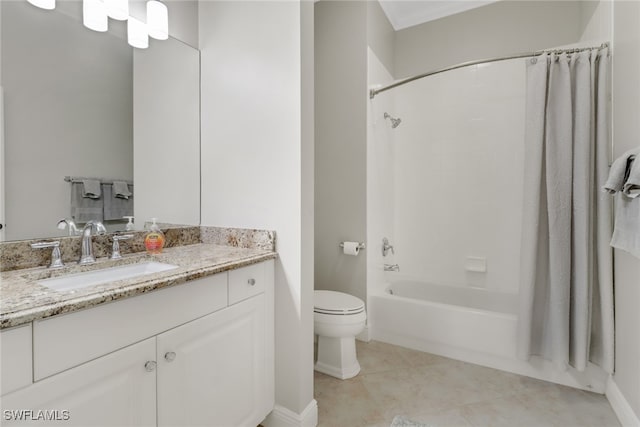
(331, 302)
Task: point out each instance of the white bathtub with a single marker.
(445, 319)
(470, 324)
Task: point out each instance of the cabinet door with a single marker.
(212, 370)
(114, 390)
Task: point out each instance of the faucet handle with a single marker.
(56, 258)
(386, 247)
(115, 249)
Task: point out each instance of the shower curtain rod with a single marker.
(374, 92)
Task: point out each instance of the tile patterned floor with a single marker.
(441, 392)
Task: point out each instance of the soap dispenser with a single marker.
(154, 240)
(130, 225)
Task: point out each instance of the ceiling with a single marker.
(407, 13)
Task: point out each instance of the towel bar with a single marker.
(102, 181)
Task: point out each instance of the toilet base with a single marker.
(337, 357)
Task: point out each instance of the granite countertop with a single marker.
(23, 300)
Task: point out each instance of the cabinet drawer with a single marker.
(246, 282)
(15, 358)
(65, 341)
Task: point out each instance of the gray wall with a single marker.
(626, 128)
(497, 29)
(380, 35)
(340, 143)
(68, 111)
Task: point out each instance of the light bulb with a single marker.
(157, 20)
(94, 15)
(44, 4)
(117, 9)
(137, 35)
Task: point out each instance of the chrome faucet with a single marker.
(391, 267)
(63, 223)
(86, 256)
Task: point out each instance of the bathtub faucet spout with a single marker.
(391, 267)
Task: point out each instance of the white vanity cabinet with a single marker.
(213, 369)
(219, 370)
(15, 358)
(113, 390)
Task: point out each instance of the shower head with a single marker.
(394, 122)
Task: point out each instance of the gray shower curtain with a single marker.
(566, 286)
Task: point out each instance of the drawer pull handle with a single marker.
(251, 282)
(170, 356)
(150, 366)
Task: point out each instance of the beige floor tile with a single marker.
(379, 357)
(567, 407)
(452, 417)
(418, 359)
(344, 403)
(505, 412)
(443, 392)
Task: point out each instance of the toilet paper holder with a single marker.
(360, 245)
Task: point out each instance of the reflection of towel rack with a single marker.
(102, 181)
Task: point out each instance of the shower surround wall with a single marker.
(456, 189)
(458, 183)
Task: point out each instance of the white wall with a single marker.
(458, 182)
(166, 133)
(253, 151)
(626, 132)
(68, 111)
(380, 175)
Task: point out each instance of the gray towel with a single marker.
(626, 232)
(91, 188)
(619, 172)
(631, 186)
(117, 207)
(84, 208)
(121, 190)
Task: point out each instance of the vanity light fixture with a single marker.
(117, 9)
(157, 20)
(94, 15)
(137, 34)
(44, 4)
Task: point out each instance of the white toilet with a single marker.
(337, 319)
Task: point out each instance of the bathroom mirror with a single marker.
(86, 104)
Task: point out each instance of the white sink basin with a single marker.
(97, 277)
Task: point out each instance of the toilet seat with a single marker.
(336, 303)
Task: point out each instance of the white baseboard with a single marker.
(283, 417)
(621, 407)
